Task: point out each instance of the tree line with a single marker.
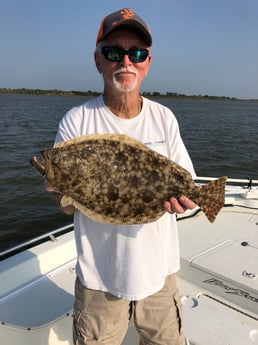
(154, 94)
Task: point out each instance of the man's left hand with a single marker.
(180, 205)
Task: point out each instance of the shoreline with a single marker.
(90, 93)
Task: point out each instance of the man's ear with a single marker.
(97, 62)
(149, 63)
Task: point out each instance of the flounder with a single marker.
(113, 178)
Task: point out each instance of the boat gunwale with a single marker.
(49, 236)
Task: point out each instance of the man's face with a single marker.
(123, 76)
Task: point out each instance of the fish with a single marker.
(116, 179)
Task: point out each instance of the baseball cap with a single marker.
(124, 18)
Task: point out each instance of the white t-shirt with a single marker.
(129, 261)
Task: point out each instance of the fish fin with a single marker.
(122, 138)
(95, 136)
(67, 201)
(212, 197)
(99, 217)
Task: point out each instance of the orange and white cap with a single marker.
(124, 18)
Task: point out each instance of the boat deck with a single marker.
(218, 281)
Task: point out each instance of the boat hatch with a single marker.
(40, 302)
(240, 284)
(208, 322)
(222, 258)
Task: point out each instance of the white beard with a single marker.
(124, 87)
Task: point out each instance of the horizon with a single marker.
(169, 94)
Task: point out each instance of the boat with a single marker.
(218, 279)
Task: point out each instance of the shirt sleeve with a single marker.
(69, 126)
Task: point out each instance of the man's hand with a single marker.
(179, 205)
(70, 209)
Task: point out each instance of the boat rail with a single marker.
(49, 236)
(248, 182)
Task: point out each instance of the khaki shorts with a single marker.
(101, 318)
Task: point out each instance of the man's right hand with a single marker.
(57, 195)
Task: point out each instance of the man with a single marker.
(127, 270)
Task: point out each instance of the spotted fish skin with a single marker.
(113, 178)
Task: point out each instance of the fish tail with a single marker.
(212, 197)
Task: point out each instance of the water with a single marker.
(221, 137)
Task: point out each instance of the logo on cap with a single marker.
(126, 14)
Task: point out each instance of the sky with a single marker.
(200, 47)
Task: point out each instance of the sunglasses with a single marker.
(117, 54)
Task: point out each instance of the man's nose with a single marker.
(126, 61)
